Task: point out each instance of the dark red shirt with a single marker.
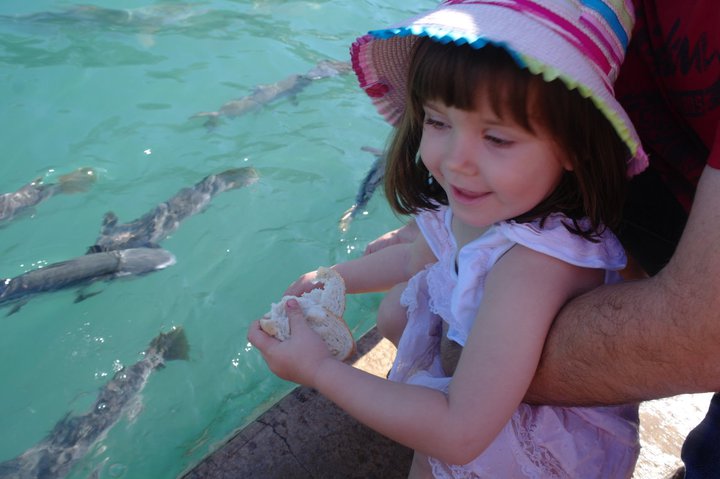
(670, 86)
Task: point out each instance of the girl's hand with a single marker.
(404, 234)
(299, 357)
(303, 284)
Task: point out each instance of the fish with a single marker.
(329, 68)
(152, 16)
(82, 271)
(373, 178)
(264, 94)
(74, 435)
(32, 194)
(142, 22)
(155, 225)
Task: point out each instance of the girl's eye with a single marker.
(434, 123)
(497, 141)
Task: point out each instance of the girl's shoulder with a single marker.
(554, 239)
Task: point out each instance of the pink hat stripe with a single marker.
(590, 25)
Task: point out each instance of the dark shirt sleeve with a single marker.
(714, 159)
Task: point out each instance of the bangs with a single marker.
(460, 76)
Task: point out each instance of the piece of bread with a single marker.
(323, 308)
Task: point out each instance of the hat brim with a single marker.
(381, 58)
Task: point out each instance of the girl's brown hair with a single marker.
(456, 76)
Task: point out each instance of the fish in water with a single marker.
(329, 68)
(144, 22)
(74, 435)
(153, 16)
(372, 179)
(35, 192)
(264, 94)
(82, 271)
(165, 218)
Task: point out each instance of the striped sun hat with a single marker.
(581, 42)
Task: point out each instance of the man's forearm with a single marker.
(644, 339)
(606, 348)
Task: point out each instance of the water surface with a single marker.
(94, 88)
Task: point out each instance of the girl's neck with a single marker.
(465, 233)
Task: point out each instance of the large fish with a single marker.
(82, 271)
(153, 16)
(372, 180)
(264, 94)
(73, 436)
(143, 22)
(23, 200)
(165, 218)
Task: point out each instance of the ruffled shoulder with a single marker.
(434, 226)
(554, 239)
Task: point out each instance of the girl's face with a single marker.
(491, 169)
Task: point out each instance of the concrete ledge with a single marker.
(306, 436)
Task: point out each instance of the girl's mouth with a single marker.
(466, 196)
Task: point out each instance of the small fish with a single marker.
(74, 435)
(82, 271)
(261, 95)
(154, 226)
(35, 192)
(265, 94)
(372, 179)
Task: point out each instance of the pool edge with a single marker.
(306, 436)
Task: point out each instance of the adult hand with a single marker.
(299, 357)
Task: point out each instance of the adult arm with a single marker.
(643, 339)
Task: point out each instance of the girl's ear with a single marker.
(567, 163)
(564, 157)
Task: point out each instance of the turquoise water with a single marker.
(90, 89)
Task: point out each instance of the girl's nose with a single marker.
(463, 155)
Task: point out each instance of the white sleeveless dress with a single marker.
(539, 441)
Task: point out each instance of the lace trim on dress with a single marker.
(441, 470)
(433, 225)
(535, 460)
(440, 277)
(440, 283)
(420, 342)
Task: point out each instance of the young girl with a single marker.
(512, 155)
